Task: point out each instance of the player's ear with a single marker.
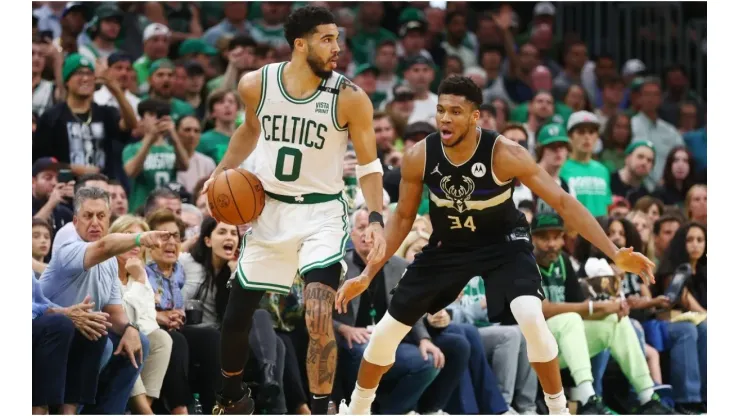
(300, 44)
(476, 116)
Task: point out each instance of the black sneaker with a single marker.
(243, 406)
(654, 407)
(594, 406)
(690, 409)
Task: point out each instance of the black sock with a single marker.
(232, 387)
(320, 404)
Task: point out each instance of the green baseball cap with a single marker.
(74, 62)
(189, 46)
(637, 84)
(640, 143)
(364, 68)
(552, 133)
(547, 222)
(159, 64)
(106, 11)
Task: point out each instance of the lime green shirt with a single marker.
(364, 44)
(590, 183)
(215, 83)
(213, 144)
(141, 67)
(520, 113)
(158, 171)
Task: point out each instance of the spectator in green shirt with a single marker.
(153, 162)
(370, 33)
(198, 50)
(223, 107)
(366, 77)
(269, 28)
(242, 50)
(617, 136)
(160, 82)
(541, 81)
(588, 180)
(156, 46)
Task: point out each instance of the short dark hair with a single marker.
(464, 86)
(38, 222)
(303, 21)
(242, 40)
(611, 80)
(151, 105)
(84, 179)
(452, 15)
(378, 114)
(114, 182)
(163, 216)
(488, 108)
(218, 96)
(151, 200)
(667, 217)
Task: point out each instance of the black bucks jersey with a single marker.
(468, 205)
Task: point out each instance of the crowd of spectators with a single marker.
(134, 104)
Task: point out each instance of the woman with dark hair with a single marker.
(577, 99)
(678, 176)
(208, 267)
(617, 136)
(687, 254)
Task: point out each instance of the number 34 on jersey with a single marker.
(456, 222)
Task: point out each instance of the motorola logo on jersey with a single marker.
(478, 170)
(458, 194)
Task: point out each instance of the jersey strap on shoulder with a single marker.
(330, 90)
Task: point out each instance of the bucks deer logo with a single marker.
(458, 194)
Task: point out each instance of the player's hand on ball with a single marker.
(153, 239)
(629, 261)
(204, 191)
(351, 289)
(376, 238)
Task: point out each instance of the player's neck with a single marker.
(303, 79)
(79, 104)
(582, 157)
(225, 127)
(464, 150)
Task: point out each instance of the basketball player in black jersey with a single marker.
(477, 231)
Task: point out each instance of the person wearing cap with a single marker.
(553, 147)
(270, 28)
(72, 25)
(418, 75)
(632, 69)
(193, 86)
(386, 61)
(584, 328)
(620, 208)
(241, 59)
(628, 182)
(456, 36)
(233, 23)
(401, 104)
(199, 51)
(588, 180)
(80, 132)
(648, 125)
(49, 17)
(160, 88)
(369, 32)
(413, 39)
(365, 77)
(49, 195)
(120, 70)
(103, 29)
(156, 39)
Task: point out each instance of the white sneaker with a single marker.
(344, 408)
(412, 413)
(438, 412)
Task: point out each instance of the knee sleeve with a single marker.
(381, 350)
(541, 345)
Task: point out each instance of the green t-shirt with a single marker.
(364, 44)
(141, 66)
(613, 159)
(520, 113)
(178, 108)
(274, 36)
(559, 282)
(378, 97)
(590, 183)
(215, 83)
(158, 171)
(213, 144)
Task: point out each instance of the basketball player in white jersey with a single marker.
(299, 116)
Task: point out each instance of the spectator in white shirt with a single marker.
(120, 71)
(419, 75)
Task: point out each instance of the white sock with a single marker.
(556, 402)
(582, 392)
(361, 400)
(646, 395)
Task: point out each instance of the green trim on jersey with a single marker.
(287, 95)
(336, 257)
(335, 106)
(306, 199)
(263, 94)
(246, 284)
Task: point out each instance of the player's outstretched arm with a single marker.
(510, 160)
(356, 108)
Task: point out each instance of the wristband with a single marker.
(137, 241)
(376, 217)
(590, 308)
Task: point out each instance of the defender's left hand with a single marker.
(375, 237)
(629, 261)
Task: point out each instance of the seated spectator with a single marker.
(679, 174)
(576, 99)
(663, 231)
(619, 208)
(505, 347)
(617, 135)
(118, 198)
(208, 267)
(696, 204)
(67, 348)
(201, 344)
(138, 301)
(551, 151)
(40, 244)
(82, 265)
(487, 118)
(365, 77)
(611, 96)
(222, 108)
(199, 165)
(584, 328)
(235, 21)
(689, 247)
(477, 392)
(162, 198)
(652, 207)
(629, 181)
(49, 195)
(502, 111)
(696, 142)
(418, 361)
(153, 162)
(414, 242)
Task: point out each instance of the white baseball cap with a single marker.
(155, 29)
(633, 67)
(598, 268)
(582, 117)
(544, 8)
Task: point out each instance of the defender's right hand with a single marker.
(351, 289)
(204, 191)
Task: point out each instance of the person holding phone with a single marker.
(50, 185)
(153, 162)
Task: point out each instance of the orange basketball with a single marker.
(236, 197)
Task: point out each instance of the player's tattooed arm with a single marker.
(321, 360)
(345, 83)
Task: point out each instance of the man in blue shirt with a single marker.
(67, 346)
(83, 266)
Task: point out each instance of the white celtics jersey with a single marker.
(301, 148)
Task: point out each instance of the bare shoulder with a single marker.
(250, 87)
(511, 160)
(414, 160)
(353, 101)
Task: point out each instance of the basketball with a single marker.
(236, 197)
